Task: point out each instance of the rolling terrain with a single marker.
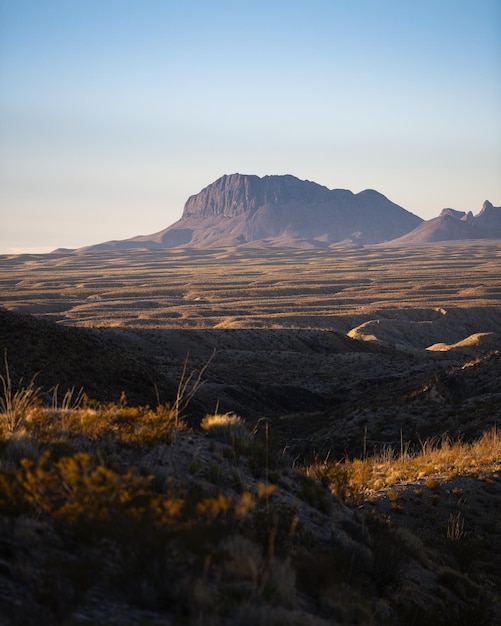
(352, 340)
(337, 288)
(337, 463)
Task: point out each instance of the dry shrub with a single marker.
(230, 429)
(314, 493)
(16, 404)
(77, 490)
(334, 475)
(455, 527)
(120, 423)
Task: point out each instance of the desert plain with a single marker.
(329, 288)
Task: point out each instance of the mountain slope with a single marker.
(445, 227)
(238, 209)
(489, 220)
(452, 225)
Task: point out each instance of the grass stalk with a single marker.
(15, 404)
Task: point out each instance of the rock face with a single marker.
(236, 194)
(452, 225)
(241, 209)
(489, 220)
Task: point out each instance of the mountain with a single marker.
(238, 209)
(452, 225)
(489, 220)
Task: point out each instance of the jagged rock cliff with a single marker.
(236, 194)
(489, 220)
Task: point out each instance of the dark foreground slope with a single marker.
(123, 516)
(101, 364)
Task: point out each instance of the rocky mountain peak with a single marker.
(452, 213)
(487, 207)
(234, 194)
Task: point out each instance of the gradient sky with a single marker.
(113, 112)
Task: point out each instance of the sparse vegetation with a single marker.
(435, 462)
(202, 543)
(229, 428)
(16, 404)
(252, 288)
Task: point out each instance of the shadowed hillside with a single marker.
(128, 515)
(322, 389)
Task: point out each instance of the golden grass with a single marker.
(227, 425)
(434, 463)
(95, 421)
(16, 404)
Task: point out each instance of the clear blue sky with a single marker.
(113, 112)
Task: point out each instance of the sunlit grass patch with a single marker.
(117, 423)
(435, 462)
(224, 425)
(230, 429)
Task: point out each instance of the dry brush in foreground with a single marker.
(113, 514)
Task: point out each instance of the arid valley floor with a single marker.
(328, 355)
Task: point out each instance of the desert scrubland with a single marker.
(268, 436)
(250, 287)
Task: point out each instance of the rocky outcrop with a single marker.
(236, 194)
(445, 227)
(452, 225)
(489, 209)
(239, 209)
(489, 220)
(460, 215)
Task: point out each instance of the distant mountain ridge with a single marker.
(452, 225)
(242, 209)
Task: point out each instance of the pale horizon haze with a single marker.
(114, 112)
